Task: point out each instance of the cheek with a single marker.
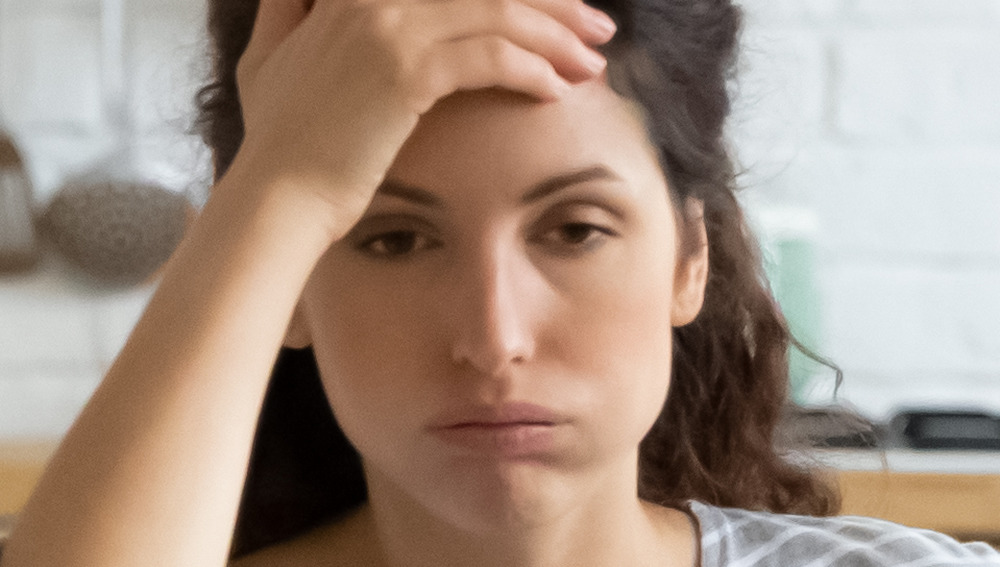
(372, 346)
(621, 339)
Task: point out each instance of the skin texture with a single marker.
(453, 293)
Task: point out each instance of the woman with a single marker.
(491, 259)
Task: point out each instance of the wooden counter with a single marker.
(955, 492)
(21, 464)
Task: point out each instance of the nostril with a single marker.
(490, 355)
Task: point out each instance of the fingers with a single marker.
(478, 63)
(422, 50)
(590, 24)
(523, 24)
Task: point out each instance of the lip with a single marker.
(516, 430)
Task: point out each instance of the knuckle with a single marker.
(501, 10)
(388, 37)
(410, 78)
(501, 55)
(564, 36)
(386, 21)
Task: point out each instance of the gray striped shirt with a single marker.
(743, 538)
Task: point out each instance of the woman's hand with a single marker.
(332, 88)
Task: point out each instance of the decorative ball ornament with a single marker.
(117, 231)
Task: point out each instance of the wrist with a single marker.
(290, 201)
(326, 195)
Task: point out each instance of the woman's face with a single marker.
(494, 335)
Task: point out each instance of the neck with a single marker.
(603, 524)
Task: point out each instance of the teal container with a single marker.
(799, 298)
(791, 264)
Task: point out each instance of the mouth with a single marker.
(499, 425)
(509, 431)
(507, 414)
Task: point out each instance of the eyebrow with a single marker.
(393, 188)
(553, 184)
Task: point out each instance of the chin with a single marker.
(505, 498)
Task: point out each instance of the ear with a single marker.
(297, 335)
(691, 272)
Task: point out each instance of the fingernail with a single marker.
(595, 62)
(603, 23)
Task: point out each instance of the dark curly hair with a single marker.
(715, 440)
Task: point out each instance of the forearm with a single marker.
(152, 470)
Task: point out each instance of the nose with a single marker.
(492, 311)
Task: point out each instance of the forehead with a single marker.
(503, 140)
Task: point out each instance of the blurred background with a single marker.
(867, 134)
(81, 82)
(867, 131)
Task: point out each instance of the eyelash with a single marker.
(417, 240)
(566, 236)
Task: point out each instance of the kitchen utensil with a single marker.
(18, 245)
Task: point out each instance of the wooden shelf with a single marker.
(21, 465)
(963, 505)
(955, 492)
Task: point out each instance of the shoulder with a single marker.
(297, 552)
(344, 542)
(760, 539)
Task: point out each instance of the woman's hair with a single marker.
(715, 440)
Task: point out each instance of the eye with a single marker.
(575, 227)
(579, 233)
(574, 233)
(575, 236)
(396, 243)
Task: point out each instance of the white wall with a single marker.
(59, 332)
(882, 119)
(878, 119)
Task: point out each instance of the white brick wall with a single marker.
(878, 116)
(918, 85)
(881, 117)
(59, 333)
(48, 54)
